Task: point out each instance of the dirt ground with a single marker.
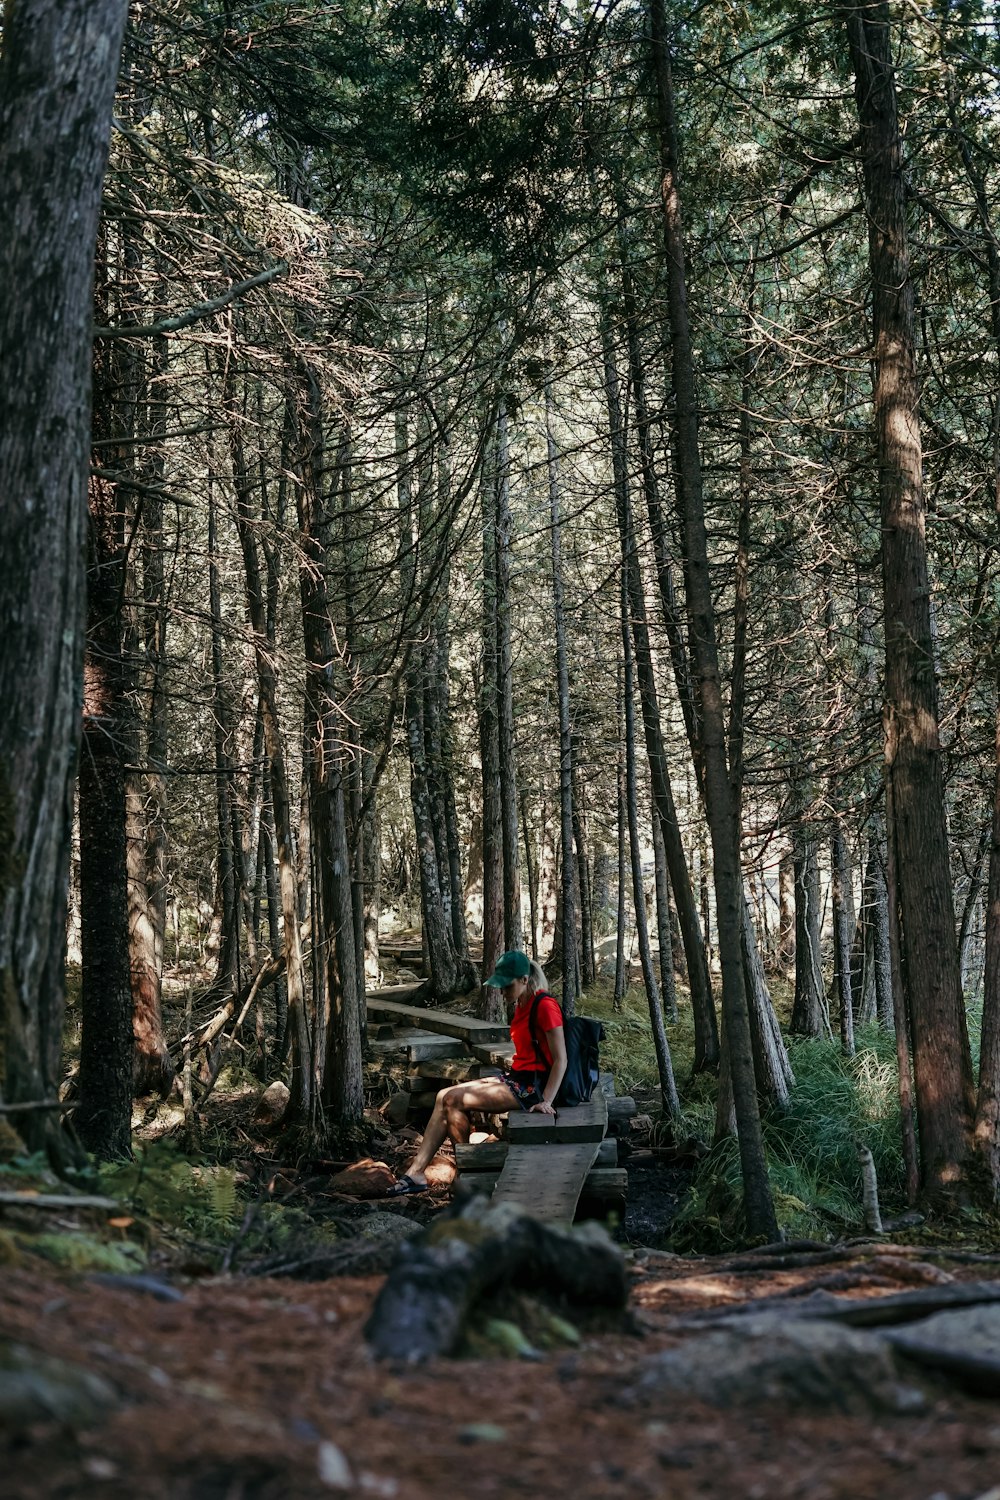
(263, 1388)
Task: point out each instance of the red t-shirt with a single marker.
(547, 1017)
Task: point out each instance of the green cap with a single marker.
(513, 965)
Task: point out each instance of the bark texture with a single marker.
(57, 77)
(941, 1057)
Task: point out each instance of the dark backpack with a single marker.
(583, 1037)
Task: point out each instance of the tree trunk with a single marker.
(704, 652)
(341, 1062)
(941, 1056)
(669, 1102)
(104, 1115)
(584, 901)
(809, 1005)
(988, 1105)
(664, 941)
(491, 1006)
(434, 883)
(513, 931)
(302, 1090)
(57, 77)
(843, 933)
(568, 952)
(706, 1035)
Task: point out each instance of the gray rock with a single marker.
(799, 1364)
(387, 1226)
(964, 1343)
(38, 1387)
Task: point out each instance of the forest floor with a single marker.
(247, 1388)
(251, 1386)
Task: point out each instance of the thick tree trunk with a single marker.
(341, 1060)
(988, 1105)
(704, 653)
(57, 77)
(103, 1117)
(941, 1056)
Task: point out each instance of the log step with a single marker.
(604, 1185)
(584, 1122)
(419, 1046)
(443, 1022)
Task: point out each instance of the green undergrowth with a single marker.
(197, 1198)
(627, 1050)
(836, 1104)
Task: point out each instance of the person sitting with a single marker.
(530, 1083)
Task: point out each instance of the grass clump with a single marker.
(627, 1050)
(811, 1146)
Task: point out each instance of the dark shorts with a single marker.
(525, 1085)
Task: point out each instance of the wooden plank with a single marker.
(397, 992)
(459, 1071)
(546, 1180)
(489, 1156)
(495, 1054)
(584, 1122)
(419, 1046)
(442, 1022)
(601, 1184)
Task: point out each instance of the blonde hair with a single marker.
(536, 977)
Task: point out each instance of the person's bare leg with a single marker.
(450, 1117)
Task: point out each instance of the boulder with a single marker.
(765, 1359)
(363, 1179)
(384, 1225)
(272, 1104)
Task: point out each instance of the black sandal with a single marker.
(405, 1186)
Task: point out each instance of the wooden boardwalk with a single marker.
(547, 1161)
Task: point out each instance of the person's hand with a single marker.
(543, 1107)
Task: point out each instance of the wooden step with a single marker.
(467, 1029)
(601, 1184)
(495, 1054)
(419, 1046)
(489, 1156)
(396, 992)
(584, 1122)
(459, 1071)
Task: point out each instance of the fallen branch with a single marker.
(55, 1200)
